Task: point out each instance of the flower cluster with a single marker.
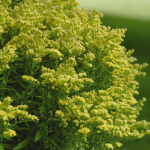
(8, 113)
(83, 80)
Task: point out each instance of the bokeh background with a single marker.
(135, 16)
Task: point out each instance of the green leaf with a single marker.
(20, 96)
(22, 144)
(30, 93)
(38, 135)
(39, 97)
(52, 120)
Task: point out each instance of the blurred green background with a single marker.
(135, 16)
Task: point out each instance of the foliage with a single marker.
(72, 73)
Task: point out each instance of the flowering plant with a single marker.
(72, 74)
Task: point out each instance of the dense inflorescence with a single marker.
(71, 72)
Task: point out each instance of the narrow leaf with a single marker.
(22, 144)
(38, 135)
